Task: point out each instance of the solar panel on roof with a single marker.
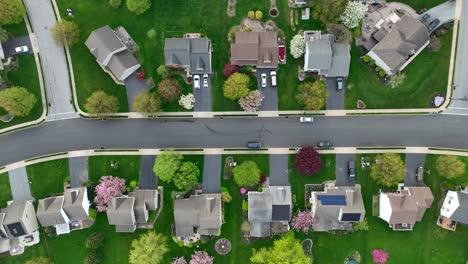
(332, 199)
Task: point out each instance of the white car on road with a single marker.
(306, 119)
(196, 81)
(264, 80)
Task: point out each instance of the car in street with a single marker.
(433, 24)
(425, 18)
(273, 78)
(205, 80)
(196, 81)
(21, 49)
(306, 119)
(254, 145)
(324, 144)
(352, 169)
(264, 80)
(339, 83)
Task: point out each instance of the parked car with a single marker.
(254, 145)
(324, 144)
(205, 80)
(264, 80)
(420, 173)
(306, 119)
(339, 83)
(425, 18)
(196, 81)
(352, 169)
(273, 78)
(21, 49)
(433, 25)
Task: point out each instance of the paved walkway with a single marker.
(78, 170)
(413, 162)
(148, 180)
(19, 184)
(212, 174)
(342, 169)
(54, 64)
(279, 170)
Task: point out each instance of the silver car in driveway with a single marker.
(196, 81)
(205, 80)
(21, 49)
(264, 80)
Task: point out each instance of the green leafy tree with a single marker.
(186, 176)
(146, 102)
(169, 90)
(167, 164)
(115, 3)
(313, 95)
(95, 240)
(236, 86)
(286, 250)
(65, 32)
(17, 101)
(163, 70)
(388, 170)
(329, 11)
(138, 7)
(11, 12)
(246, 174)
(39, 260)
(4, 36)
(100, 102)
(149, 248)
(449, 166)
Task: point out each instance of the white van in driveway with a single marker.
(273, 78)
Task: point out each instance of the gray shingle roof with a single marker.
(120, 211)
(50, 211)
(461, 214)
(20, 218)
(144, 200)
(194, 53)
(73, 203)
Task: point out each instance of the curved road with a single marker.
(445, 131)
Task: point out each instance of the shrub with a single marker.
(151, 34)
(361, 226)
(224, 189)
(39, 260)
(92, 214)
(377, 68)
(133, 184)
(245, 206)
(372, 62)
(226, 197)
(187, 101)
(115, 3)
(252, 102)
(138, 7)
(263, 177)
(308, 161)
(246, 174)
(303, 221)
(357, 31)
(245, 227)
(93, 257)
(169, 90)
(251, 14)
(164, 71)
(382, 73)
(260, 189)
(201, 257)
(95, 240)
(366, 59)
(379, 256)
(179, 260)
(230, 69)
(397, 80)
(258, 15)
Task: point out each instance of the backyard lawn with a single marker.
(47, 178)
(5, 190)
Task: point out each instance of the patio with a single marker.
(446, 223)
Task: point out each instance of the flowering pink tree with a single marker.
(108, 188)
(201, 257)
(379, 256)
(252, 101)
(179, 260)
(303, 221)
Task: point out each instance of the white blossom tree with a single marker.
(252, 101)
(187, 101)
(353, 14)
(297, 46)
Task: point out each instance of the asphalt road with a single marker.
(364, 131)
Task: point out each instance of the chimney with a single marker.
(350, 197)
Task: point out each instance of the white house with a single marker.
(455, 206)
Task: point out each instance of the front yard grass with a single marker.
(5, 193)
(47, 178)
(128, 167)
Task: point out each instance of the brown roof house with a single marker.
(199, 214)
(403, 208)
(396, 40)
(127, 212)
(269, 210)
(112, 53)
(336, 207)
(256, 49)
(18, 227)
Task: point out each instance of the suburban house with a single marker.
(18, 227)
(190, 54)
(336, 207)
(269, 211)
(403, 208)
(199, 214)
(255, 49)
(325, 56)
(112, 52)
(65, 213)
(454, 209)
(393, 38)
(129, 211)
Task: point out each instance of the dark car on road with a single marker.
(433, 25)
(324, 144)
(254, 145)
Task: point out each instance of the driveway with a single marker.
(133, 87)
(212, 174)
(202, 96)
(445, 12)
(11, 44)
(78, 169)
(270, 102)
(19, 184)
(335, 99)
(53, 62)
(413, 162)
(148, 180)
(279, 170)
(342, 169)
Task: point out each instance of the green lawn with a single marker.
(47, 178)
(5, 193)
(128, 167)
